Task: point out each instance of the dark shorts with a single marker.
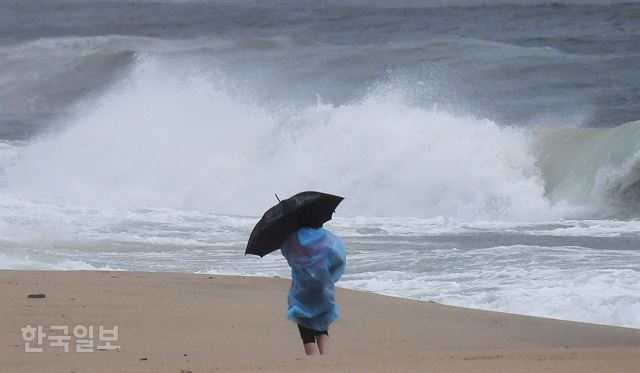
(309, 335)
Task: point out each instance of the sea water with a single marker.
(488, 151)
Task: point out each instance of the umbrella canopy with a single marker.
(310, 209)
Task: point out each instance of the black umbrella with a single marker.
(304, 209)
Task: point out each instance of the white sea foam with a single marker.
(565, 283)
(26, 262)
(441, 259)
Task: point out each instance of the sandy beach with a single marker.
(170, 322)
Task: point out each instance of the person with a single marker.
(317, 260)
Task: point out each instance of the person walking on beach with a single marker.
(317, 259)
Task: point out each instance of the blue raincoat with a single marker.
(317, 259)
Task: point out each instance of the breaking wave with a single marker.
(158, 139)
(596, 166)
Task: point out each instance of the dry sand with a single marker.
(182, 322)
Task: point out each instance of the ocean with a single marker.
(488, 151)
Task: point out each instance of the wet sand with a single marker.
(170, 322)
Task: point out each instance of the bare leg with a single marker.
(323, 344)
(310, 349)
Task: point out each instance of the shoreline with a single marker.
(275, 277)
(176, 321)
